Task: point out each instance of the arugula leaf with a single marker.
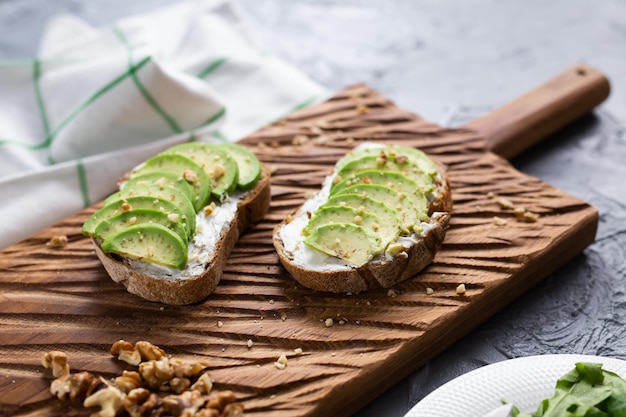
(585, 391)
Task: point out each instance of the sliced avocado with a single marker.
(152, 243)
(390, 225)
(120, 206)
(163, 179)
(185, 167)
(407, 211)
(354, 244)
(173, 195)
(344, 214)
(416, 156)
(389, 164)
(394, 180)
(121, 221)
(216, 162)
(248, 165)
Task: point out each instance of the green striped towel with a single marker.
(97, 101)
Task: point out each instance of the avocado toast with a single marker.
(379, 219)
(166, 234)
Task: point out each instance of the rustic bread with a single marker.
(252, 207)
(379, 273)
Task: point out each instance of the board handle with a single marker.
(518, 125)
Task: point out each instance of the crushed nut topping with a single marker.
(208, 210)
(299, 140)
(173, 217)
(505, 203)
(190, 176)
(219, 171)
(329, 322)
(58, 241)
(460, 289)
(499, 221)
(429, 291)
(126, 207)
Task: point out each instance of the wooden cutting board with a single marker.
(62, 299)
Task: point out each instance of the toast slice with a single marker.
(215, 231)
(397, 261)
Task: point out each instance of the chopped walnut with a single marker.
(299, 140)
(401, 159)
(281, 362)
(362, 109)
(221, 402)
(126, 352)
(75, 386)
(58, 241)
(460, 289)
(57, 361)
(218, 171)
(530, 217)
(148, 351)
(156, 373)
(126, 206)
(110, 400)
(203, 384)
(179, 385)
(506, 204)
(499, 221)
(208, 210)
(140, 402)
(185, 404)
(329, 322)
(519, 212)
(129, 381)
(190, 176)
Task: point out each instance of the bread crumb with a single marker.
(499, 221)
(460, 289)
(58, 241)
(329, 322)
(429, 291)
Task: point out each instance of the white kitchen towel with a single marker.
(97, 101)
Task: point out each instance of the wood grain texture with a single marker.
(62, 298)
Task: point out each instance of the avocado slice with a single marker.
(394, 180)
(389, 164)
(173, 195)
(141, 202)
(416, 156)
(390, 225)
(118, 222)
(407, 211)
(344, 214)
(248, 165)
(354, 244)
(185, 167)
(220, 167)
(152, 243)
(163, 179)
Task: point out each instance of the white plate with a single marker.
(523, 381)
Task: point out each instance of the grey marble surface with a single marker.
(451, 61)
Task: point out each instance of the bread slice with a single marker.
(384, 271)
(251, 208)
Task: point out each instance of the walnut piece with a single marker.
(140, 402)
(74, 386)
(126, 352)
(129, 381)
(57, 361)
(110, 400)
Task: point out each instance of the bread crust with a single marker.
(384, 274)
(180, 291)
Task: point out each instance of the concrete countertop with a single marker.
(451, 62)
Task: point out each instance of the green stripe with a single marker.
(219, 135)
(79, 109)
(212, 67)
(82, 179)
(142, 89)
(40, 104)
(214, 118)
(93, 98)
